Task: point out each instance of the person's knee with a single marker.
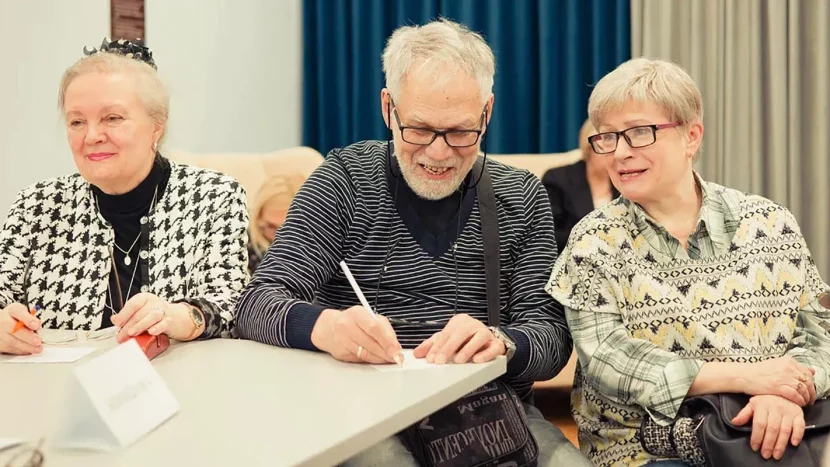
(554, 448)
(390, 451)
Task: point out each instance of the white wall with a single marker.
(233, 67)
(234, 71)
(40, 38)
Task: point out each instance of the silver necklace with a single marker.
(127, 260)
(118, 284)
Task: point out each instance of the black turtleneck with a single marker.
(433, 224)
(124, 212)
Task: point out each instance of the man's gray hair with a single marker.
(441, 44)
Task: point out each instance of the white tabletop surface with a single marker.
(246, 404)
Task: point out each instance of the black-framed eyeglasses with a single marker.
(28, 456)
(425, 136)
(636, 137)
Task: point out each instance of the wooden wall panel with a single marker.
(127, 19)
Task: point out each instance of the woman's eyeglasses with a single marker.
(27, 456)
(636, 137)
(65, 336)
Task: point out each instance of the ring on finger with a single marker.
(360, 352)
(800, 385)
(802, 377)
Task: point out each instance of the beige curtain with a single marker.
(763, 67)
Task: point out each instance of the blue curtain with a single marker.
(548, 55)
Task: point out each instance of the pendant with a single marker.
(127, 260)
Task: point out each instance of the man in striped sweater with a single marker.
(410, 230)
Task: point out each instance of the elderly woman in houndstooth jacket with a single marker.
(133, 241)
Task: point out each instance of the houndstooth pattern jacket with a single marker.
(197, 249)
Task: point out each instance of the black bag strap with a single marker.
(490, 232)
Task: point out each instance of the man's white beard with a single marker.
(429, 189)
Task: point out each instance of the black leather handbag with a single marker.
(725, 444)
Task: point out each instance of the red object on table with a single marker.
(152, 346)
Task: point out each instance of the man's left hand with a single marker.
(464, 338)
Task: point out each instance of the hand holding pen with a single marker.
(356, 334)
(17, 330)
(18, 323)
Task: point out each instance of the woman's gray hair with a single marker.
(422, 50)
(151, 91)
(656, 81)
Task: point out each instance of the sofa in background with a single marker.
(252, 169)
(538, 164)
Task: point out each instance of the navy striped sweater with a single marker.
(345, 211)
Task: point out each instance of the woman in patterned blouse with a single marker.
(132, 242)
(682, 287)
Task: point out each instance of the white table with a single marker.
(246, 404)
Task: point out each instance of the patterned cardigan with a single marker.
(645, 315)
(196, 249)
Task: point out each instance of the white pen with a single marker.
(355, 287)
(362, 298)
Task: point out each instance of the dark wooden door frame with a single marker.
(127, 19)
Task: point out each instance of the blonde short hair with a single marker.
(584, 132)
(441, 43)
(151, 91)
(656, 81)
(281, 187)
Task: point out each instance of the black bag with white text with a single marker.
(487, 427)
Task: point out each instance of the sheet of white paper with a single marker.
(6, 443)
(409, 363)
(55, 355)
